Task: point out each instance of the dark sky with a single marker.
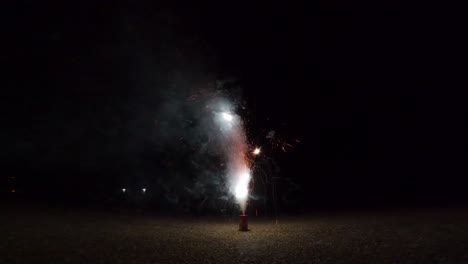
(374, 93)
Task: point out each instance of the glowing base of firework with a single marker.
(241, 189)
(243, 224)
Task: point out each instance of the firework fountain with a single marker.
(239, 156)
(235, 146)
(237, 165)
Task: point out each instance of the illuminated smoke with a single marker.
(241, 190)
(228, 117)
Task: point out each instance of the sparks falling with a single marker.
(256, 151)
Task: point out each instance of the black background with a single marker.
(373, 92)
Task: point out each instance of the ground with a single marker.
(93, 236)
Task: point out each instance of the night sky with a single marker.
(374, 93)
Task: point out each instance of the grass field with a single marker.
(85, 236)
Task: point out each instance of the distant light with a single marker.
(13, 191)
(256, 151)
(144, 190)
(124, 190)
(227, 116)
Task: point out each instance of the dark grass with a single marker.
(85, 236)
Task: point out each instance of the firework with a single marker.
(279, 142)
(256, 151)
(243, 224)
(235, 147)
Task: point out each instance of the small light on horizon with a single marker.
(144, 190)
(13, 191)
(124, 190)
